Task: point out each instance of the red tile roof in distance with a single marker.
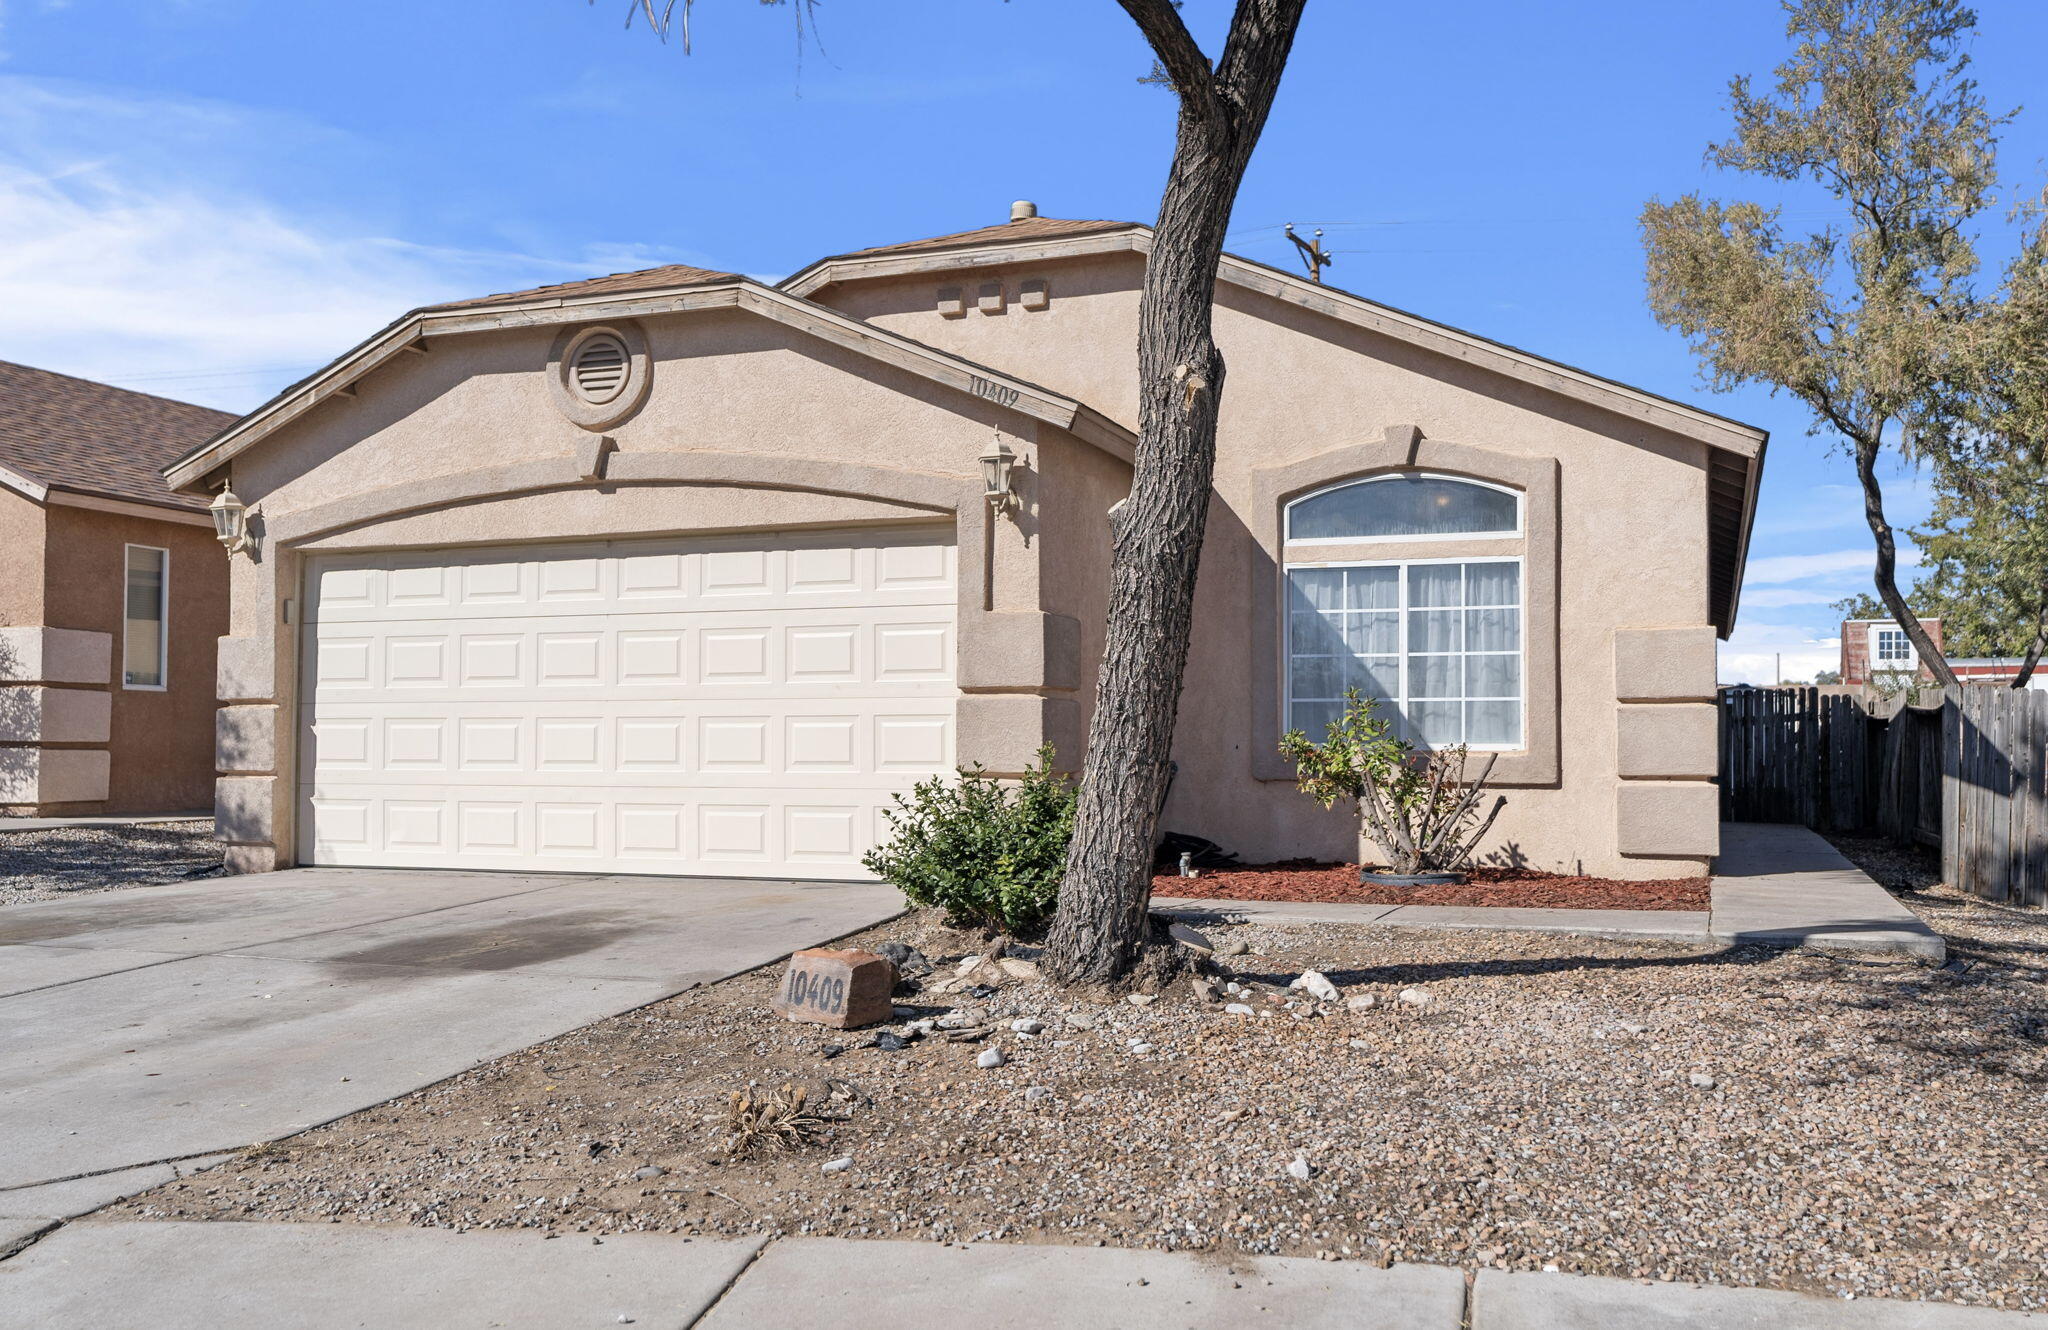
(94, 438)
(618, 283)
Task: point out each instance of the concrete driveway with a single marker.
(169, 1022)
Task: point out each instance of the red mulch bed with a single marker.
(1523, 888)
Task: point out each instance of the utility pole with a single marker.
(1312, 255)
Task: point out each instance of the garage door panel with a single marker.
(672, 706)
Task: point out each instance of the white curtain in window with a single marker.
(1440, 644)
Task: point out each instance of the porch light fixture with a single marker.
(230, 520)
(997, 467)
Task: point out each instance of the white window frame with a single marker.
(163, 632)
(1517, 532)
(1879, 662)
(1399, 705)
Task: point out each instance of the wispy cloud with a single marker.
(132, 250)
(1775, 598)
(1781, 568)
(1769, 653)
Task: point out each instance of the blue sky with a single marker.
(207, 198)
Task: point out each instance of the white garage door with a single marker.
(736, 707)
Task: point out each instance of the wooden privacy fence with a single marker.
(1969, 775)
(1994, 823)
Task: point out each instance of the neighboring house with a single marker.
(113, 595)
(676, 572)
(1879, 649)
(1996, 671)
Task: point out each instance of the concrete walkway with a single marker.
(207, 1276)
(1785, 886)
(1774, 886)
(132, 820)
(163, 1023)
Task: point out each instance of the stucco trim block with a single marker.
(53, 775)
(1664, 664)
(245, 739)
(33, 714)
(1669, 740)
(1668, 819)
(35, 654)
(1003, 731)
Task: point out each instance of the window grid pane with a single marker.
(1439, 643)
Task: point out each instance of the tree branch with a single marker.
(1179, 54)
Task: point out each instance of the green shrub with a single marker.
(987, 852)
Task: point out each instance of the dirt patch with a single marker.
(1518, 888)
(1737, 1116)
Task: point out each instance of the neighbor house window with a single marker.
(143, 638)
(1405, 506)
(1893, 649)
(1439, 642)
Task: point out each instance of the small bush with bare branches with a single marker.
(774, 1122)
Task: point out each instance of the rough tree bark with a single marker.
(1887, 571)
(1156, 533)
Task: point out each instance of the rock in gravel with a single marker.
(1023, 970)
(1239, 1009)
(836, 1165)
(1299, 1170)
(1361, 1002)
(1232, 948)
(1633, 1028)
(1028, 1025)
(1190, 937)
(1141, 1049)
(960, 1018)
(1079, 1020)
(891, 1043)
(648, 1173)
(990, 1057)
(1415, 997)
(1699, 1080)
(1316, 984)
(1036, 1093)
(1205, 990)
(1142, 999)
(909, 960)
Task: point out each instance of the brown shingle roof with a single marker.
(1031, 228)
(618, 283)
(94, 438)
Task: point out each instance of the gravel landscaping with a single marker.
(1524, 1101)
(74, 861)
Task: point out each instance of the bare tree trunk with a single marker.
(2035, 648)
(1156, 533)
(1888, 565)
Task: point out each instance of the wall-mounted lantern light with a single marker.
(230, 520)
(998, 465)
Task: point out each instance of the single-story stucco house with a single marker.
(113, 595)
(677, 572)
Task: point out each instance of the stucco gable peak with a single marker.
(418, 331)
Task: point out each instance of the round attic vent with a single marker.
(599, 374)
(600, 368)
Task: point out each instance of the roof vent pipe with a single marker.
(1023, 210)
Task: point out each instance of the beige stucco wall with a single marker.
(1630, 546)
(748, 425)
(21, 560)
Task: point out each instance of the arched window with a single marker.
(1408, 505)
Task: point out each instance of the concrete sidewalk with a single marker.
(163, 1023)
(1778, 886)
(129, 820)
(1785, 886)
(209, 1276)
